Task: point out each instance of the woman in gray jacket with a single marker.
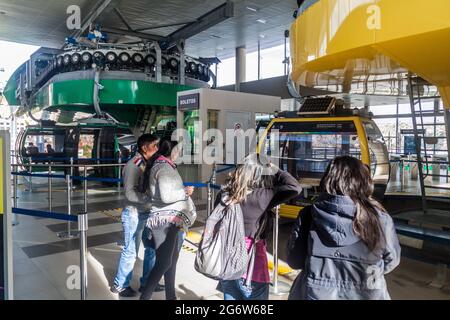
(172, 211)
(346, 242)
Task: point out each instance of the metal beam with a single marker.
(122, 18)
(92, 16)
(136, 34)
(158, 26)
(203, 23)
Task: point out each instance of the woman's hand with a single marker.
(189, 190)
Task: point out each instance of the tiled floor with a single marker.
(44, 264)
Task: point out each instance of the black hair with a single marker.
(165, 148)
(145, 139)
(348, 176)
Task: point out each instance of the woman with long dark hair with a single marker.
(346, 242)
(172, 212)
(258, 186)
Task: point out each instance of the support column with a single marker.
(240, 67)
(447, 129)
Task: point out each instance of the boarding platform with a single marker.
(46, 262)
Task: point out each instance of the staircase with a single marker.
(416, 90)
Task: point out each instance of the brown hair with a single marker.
(254, 173)
(348, 176)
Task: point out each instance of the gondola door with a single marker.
(71, 148)
(106, 151)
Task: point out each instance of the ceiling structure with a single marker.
(43, 22)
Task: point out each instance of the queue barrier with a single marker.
(83, 223)
(45, 214)
(74, 159)
(228, 167)
(38, 175)
(82, 220)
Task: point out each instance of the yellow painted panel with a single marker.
(290, 212)
(340, 42)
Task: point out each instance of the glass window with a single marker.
(226, 72)
(379, 156)
(272, 62)
(191, 121)
(44, 143)
(86, 146)
(306, 148)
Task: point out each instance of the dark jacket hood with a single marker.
(333, 220)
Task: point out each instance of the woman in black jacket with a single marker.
(258, 186)
(346, 242)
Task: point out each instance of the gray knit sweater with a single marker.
(168, 196)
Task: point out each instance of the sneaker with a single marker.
(115, 289)
(158, 288)
(127, 293)
(123, 292)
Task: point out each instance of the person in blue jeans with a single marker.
(134, 217)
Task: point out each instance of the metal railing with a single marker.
(443, 166)
(82, 218)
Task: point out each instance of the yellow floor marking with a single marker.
(194, 237)
(282, 268)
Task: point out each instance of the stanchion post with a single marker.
(83, 227)
(209, 199)
(30, 186)
(85, 189)
(276, 285)
(69, 233)
(71, 173)
(119, 174)
(15, 221)
(50, 203)
(402, 174)
(214, 181)
(275, 252)
(69, 203)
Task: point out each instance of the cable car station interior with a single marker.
(314, 79)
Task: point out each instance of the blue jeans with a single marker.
(181, 236)
(237, 290)
(133, 223)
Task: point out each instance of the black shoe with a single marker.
(158, 288)
(127, 293)
(115, 289)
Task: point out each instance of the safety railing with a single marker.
(82, 218)
(435, 167)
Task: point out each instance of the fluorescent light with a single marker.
(252, 9)
(261, 21)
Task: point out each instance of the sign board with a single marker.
(411, 131)
(6, 275)
(189, 102)
(410, 145)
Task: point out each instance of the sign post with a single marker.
(6, 260)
